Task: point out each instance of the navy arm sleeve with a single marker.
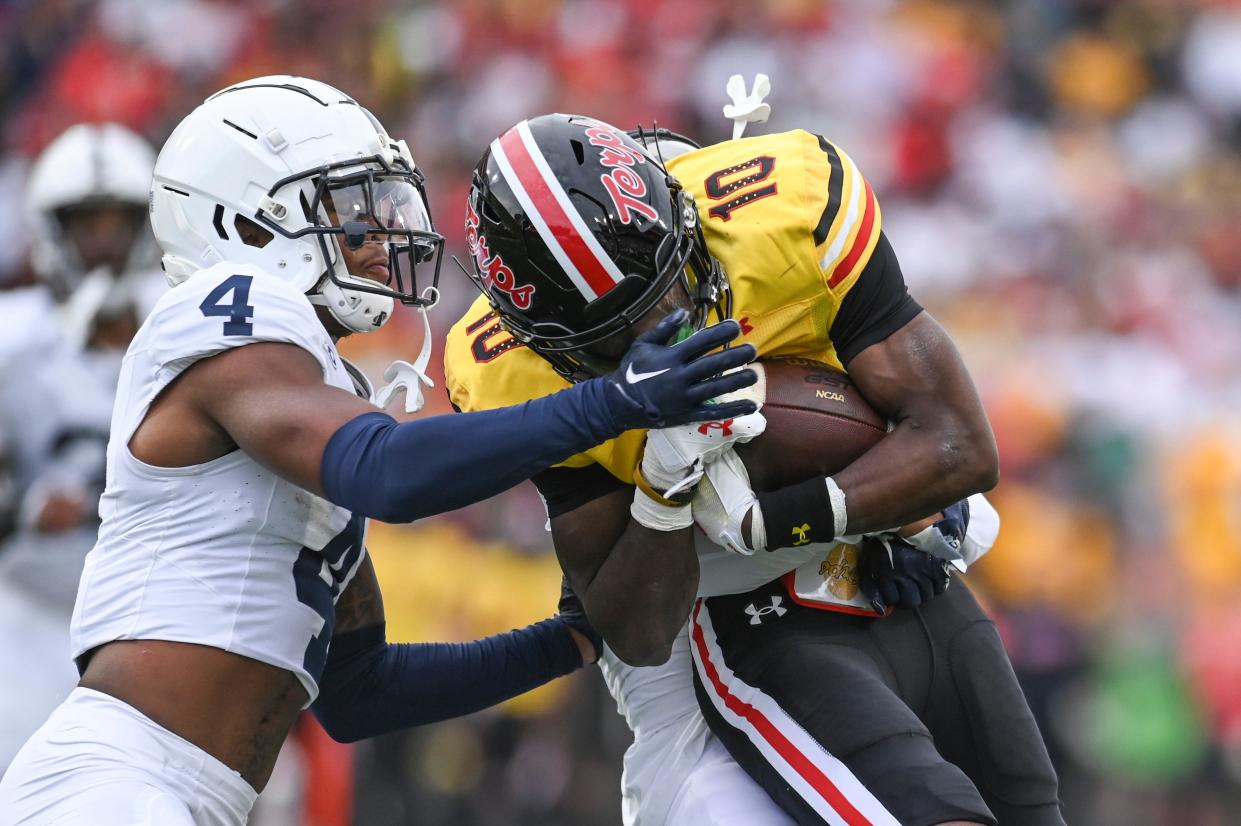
(402, 472)
(371, 687)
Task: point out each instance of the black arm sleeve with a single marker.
(566, 489)
(878, 305)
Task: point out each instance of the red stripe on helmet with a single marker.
(553, 205)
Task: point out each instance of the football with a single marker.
(817, 423)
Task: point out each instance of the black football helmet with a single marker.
(575, 232)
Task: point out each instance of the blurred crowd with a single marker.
(1061, 180)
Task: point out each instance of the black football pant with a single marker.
(912, 719)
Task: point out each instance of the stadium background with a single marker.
(1062, 183)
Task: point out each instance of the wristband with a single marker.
(798, 515)
(680, 500)
(836, 498)
(654, 514)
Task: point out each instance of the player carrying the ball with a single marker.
(582, 239)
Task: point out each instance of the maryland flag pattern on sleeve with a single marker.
(793, 223)
(849, 226)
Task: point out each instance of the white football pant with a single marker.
(100, 762)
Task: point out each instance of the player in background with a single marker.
(91, 247)
(842, 716)
(230, 587)
(92, 250)
(85, 215)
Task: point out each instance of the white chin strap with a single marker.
(358, 311)
(401, 375)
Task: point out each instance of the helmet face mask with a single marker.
(355, 202)
(100, 233)
(598, 200)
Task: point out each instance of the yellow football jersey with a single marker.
(793, 223)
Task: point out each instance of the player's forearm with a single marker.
(402, 472)
(643, 592)
(941, 448)
(371, 687)
(928, 461)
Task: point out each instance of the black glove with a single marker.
(894, 574)
(573, 614)
(658, 385)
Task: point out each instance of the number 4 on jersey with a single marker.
(239, 311)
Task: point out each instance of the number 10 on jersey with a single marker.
(725, 182)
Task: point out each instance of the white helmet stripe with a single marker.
(558, 222)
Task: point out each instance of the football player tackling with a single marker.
(230, 587)
(582, 239)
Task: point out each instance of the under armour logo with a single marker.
(746, 326)
(757, 614)
(725, 426)
(800, 532)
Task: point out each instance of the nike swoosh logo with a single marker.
(634, 377)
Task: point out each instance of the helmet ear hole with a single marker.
(251, 234)
(489, 213)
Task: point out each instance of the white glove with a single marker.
(721, 503)
(673, 462)
(675, 457)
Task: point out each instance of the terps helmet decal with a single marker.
(622, 183)
(494, 271)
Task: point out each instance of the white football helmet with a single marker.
(663, 144)
(278, 172)
(88, 164)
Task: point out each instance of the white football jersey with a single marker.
(58, 392)
(225, 553)
(29, 314)
(57, 424)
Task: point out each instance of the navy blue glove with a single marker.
(658, 385)
(573, 614)
(894, 574)
(944, 539)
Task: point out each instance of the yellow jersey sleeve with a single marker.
(844, 209)
(794, 223)
(485, 368)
